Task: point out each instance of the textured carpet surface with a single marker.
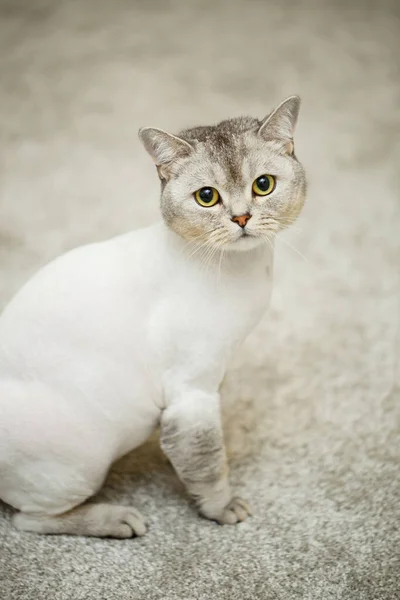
(312, 402)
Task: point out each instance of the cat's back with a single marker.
(81, 295)
(99, 266)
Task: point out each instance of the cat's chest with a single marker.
(240, 291)
(231, 299)
(212, 311)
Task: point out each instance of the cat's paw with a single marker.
(235, 511)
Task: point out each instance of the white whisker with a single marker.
(220, 262)
(197, 237)
(268, 239)
(294, 249)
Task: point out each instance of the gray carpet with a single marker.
(312, 403)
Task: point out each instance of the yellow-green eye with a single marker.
(264, 185)
(207, 196)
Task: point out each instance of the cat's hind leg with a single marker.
(54, 498)
(53, 459)
(99, 520)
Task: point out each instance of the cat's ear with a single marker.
(280, 124)
(163, 147)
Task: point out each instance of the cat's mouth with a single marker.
(246, 234)
(245, 240)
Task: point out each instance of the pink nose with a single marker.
(242, 220)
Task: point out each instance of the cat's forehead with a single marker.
(230, 151)
(224, 140)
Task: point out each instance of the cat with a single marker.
(115, 339)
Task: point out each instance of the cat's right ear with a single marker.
(164, 148)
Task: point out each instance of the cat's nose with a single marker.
(241, 220)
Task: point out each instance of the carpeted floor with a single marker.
(312, 403)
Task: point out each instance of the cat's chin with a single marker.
(244, 243)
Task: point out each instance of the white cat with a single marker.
(114, 339)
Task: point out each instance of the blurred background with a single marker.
(311, 405)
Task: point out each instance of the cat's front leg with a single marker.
(192, 438)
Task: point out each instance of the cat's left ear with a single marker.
(164, 148)
(279, 126)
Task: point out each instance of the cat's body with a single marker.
(121, 328)
(113, 339)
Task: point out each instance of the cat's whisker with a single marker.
(292, 227)
(207, 232)
(288, 222)
(291, 223)
(204, 248)
(204, 258)
(198, 248)
(220, 262)
(214, 249)
(221, 250)
(282, 226)
(281, 222)
(268, 239)
(273, 230)
(203, 245)
(202, 235)
(294, 249)
(218, 241)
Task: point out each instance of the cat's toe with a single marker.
(127, 523)
(236, 511)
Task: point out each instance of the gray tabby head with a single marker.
(231, 185)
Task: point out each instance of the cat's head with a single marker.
(232, 185)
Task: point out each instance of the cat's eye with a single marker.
(264, 185)
(207, 196)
